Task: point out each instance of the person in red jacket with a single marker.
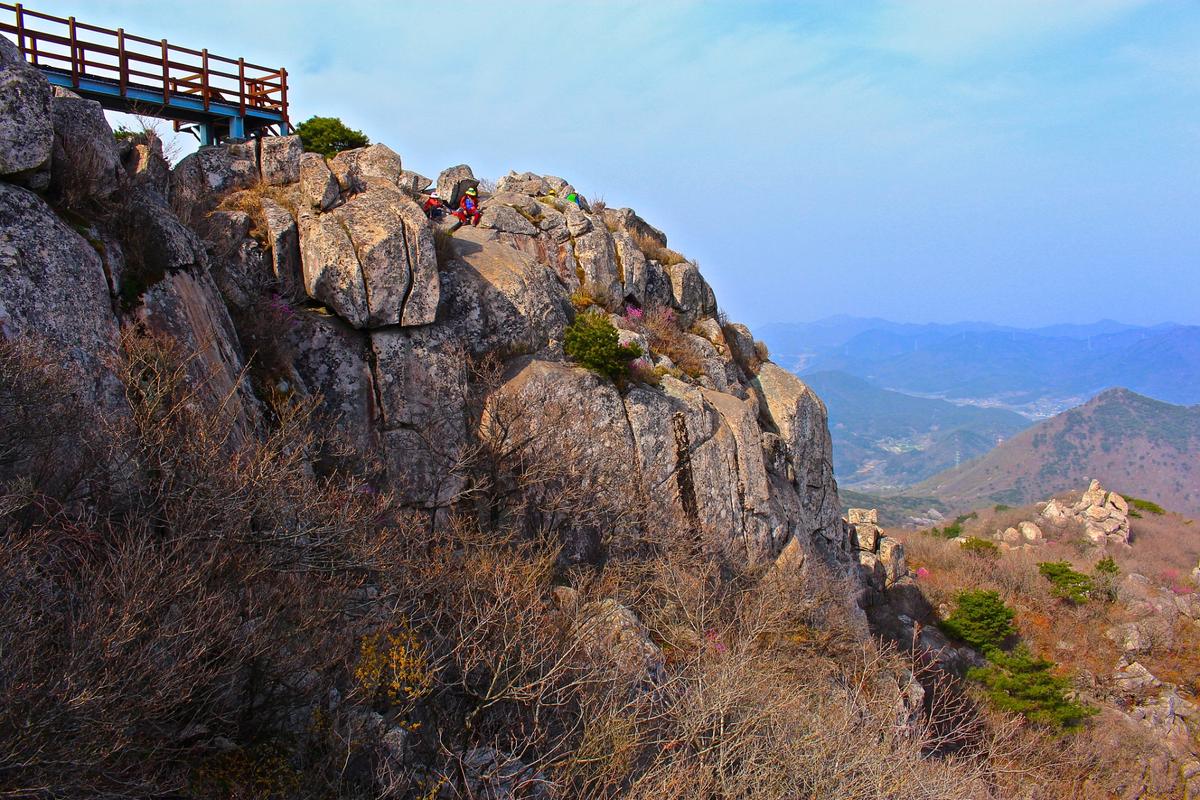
(434, 207)
(468, 207)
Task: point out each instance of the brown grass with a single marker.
(653, 250)
(249, 202)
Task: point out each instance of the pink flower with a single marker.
(922, 572)
(711, 635)
(633, 312)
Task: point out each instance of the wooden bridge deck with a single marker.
(227, 98)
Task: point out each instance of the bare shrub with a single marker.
(135, 630)
(188, 638)
(154, 128)
(46, 439)
(661, 326)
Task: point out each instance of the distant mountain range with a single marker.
(1131, 443)
(887, 440)
(1038, 371)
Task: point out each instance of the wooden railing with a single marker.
(89, 51)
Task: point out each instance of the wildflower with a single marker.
(922, 572)
(281, 310)
(633, 312)
(711, 635)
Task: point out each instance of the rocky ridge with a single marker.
(335, 261)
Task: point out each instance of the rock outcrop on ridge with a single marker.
(370, 308)
(1104, 515)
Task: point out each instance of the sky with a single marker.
(1024, 162)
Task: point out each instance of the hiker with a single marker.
(434, 208)
(468, 207)
(578, 200)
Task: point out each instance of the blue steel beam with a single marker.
(190, 108)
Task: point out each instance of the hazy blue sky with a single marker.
(1017, 161)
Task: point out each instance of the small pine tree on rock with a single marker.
(593, 341)
(1066, 583)
(329, 136)
(981, 619)
(1025, 684)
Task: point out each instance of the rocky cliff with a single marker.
(288, 273)
(485, 571)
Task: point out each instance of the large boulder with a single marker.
(10, 54)
(495, 299)
(318, 188)
(525, 183)
(156, 243)
(596, 255)
(684, 463)
(1055, 512)
(626, 220)
(283, 239)
(612, 632)
(762, 521)
(209, 173)
(359, 169)
(1030, 532)
(26, 131)
(53, 289)
(372, 260)
(414, 183)
(631, 264)
(691, 294)
(186, 307)
(279, 159)
(505, 219)
(86, 164)
(334, 361)
(1103, 514)
(420, 377)
(801, 420)
(574, 444)
(452, 182)
(145, 165)
(237, 261)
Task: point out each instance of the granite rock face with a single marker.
(372, 260)
(279, 159)
(53, 288)
(335, 262)
(26, 127)
(86, 164)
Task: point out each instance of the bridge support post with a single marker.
(207, 136)
(237, 128)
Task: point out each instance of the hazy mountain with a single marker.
(885, 439)
(1131, 443)
(1037, 371)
